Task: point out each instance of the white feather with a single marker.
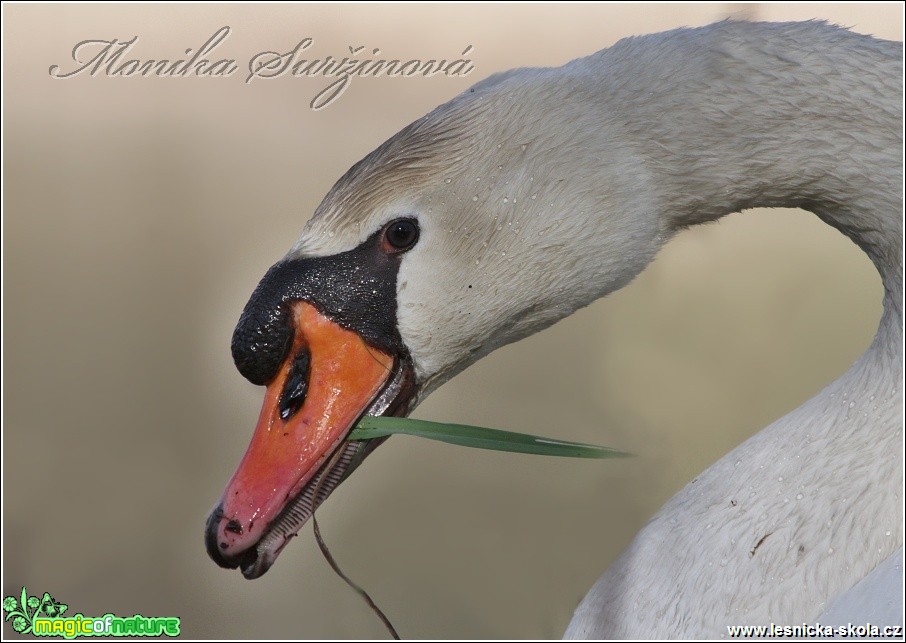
(541, 190)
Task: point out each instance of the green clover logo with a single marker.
(23, 610)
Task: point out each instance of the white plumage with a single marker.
(541, 190)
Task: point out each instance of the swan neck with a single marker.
(738, 120)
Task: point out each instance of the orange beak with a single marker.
(329, 379)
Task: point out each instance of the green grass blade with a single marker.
(370, 427)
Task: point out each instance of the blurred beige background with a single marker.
(140, 213)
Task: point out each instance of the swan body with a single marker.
(538, 191)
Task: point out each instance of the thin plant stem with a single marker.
(330, 559)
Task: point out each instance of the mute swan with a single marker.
(409, 272)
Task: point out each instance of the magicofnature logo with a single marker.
(45, 617)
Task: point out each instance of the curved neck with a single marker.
(736, 116)
(746, 116)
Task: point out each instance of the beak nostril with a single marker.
(296, 385)
(233, 526)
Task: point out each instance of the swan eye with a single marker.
(400, 235)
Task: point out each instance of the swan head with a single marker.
(487, 220)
